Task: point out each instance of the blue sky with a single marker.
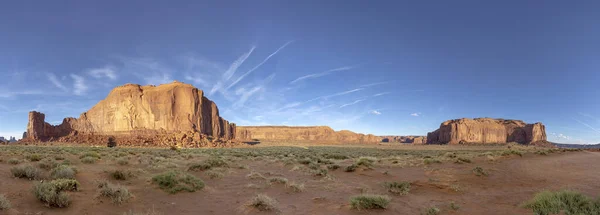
(381, 67)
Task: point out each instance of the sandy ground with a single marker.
(511, 181)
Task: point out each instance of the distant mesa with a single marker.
(404, 139)
(11, 139)
(174, 113)
(315, 134)
(487, 131)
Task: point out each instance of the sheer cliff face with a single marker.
(174, 107)
(487, 130)
(322, 134)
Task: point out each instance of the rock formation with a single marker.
(318, 134)
(487, 131)
(174, 112)
(404, 139)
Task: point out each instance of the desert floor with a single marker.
(301, 180)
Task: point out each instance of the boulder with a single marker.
(320, 134)
(170, 112)
(487, 131)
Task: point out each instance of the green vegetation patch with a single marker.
(175, 181)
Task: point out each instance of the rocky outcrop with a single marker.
(318, 134)
(487, 131)
(404, 139)
(175, 111)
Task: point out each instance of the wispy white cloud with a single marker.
(375, 84)
(196, 80)
(316, 75)
(230, 72)
(151, 71)
(79, 87)
(587, 125)
(257, 66)
(415, 114)
(352, 103)
(237, 63)
(375, 112)
(9, 94)
(381, 94)
(590, 116)
(56, 82)
(560, 136)
(245, 94)
(107, 71)
(337, 94)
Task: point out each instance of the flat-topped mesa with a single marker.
(133, 109)
(319, 134)
(404, 139)
(487, 131)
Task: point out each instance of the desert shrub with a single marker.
(122, 161)
(175, 181)
(4, 203)
(462, 160)
(26, 171)
(14, 161)
(333, 166)
(121, 174)
(366, 161)
(278, 180)
(478, 171)
(47, 163)
(428, 161)
(432, 211)
(214, 174)
(208, 164)
(450, 154)
(263, 203)
(398, 188)
(565, 201)
(89, 160)
(63, 171)
(117, 193)
(34, 157)
(320, 172)
(541, 152)
(369, 201)
(65, 184)
(295, 187)
(324, 161)
(454, 206)
(255, 175)
(314, 166)
(335, 156)
(305, 161)
(149, 212)
(351, 168)
(512, 152)
(90, 154)
(59, 157)
(49, 194)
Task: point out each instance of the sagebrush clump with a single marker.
(117, 193)
(175, 181)
(26, 171)
(4, 203)
(565, 201)
(263, 203)
(398, 188)
(50, 194)
(369, 201)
